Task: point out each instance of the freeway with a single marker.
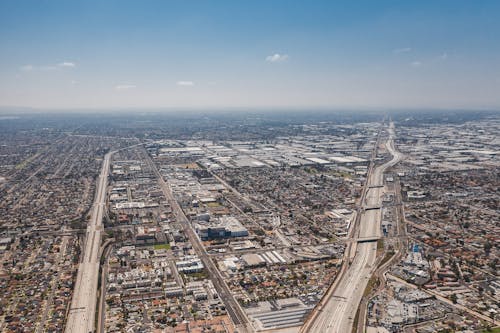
(81, 317)
(337, 311)
(400, 246)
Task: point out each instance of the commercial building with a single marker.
(223, 227)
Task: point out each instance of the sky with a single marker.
(252, 54)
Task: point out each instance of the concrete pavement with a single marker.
(338, 311)
(81, 317)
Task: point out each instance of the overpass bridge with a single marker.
(362, 239)
(372, 207)
(368, 239)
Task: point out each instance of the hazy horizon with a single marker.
(281, 54)
(11, 110)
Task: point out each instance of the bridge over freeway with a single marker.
(368, 239)
(338, 316)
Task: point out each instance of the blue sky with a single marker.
(328, 54)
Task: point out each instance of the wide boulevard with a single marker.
(234, 310)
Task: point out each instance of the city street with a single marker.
(233, 308)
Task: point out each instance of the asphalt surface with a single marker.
(339, 310)
(81, 317)
(233, 309)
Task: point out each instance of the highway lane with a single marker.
(81, 317)
(400, 246)
(339, 310)
(101, 313)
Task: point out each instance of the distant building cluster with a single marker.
(448, 181)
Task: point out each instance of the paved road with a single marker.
(400, 246)
(81, 317)
(338, 311)
(101, 313)
(232, 307)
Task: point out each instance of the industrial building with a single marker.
(222, 227)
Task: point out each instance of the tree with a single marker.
(487, 247)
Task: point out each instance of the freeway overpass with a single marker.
(81, 315)
(368, 239)
(337, 310)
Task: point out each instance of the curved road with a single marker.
(339, 309)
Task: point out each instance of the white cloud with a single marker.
(402, 50)
(121, 87)
(66, 64)
(416, 63)
(27, 68)
(277, 57)
(443, 56)
(185, 83)
(45, 68)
